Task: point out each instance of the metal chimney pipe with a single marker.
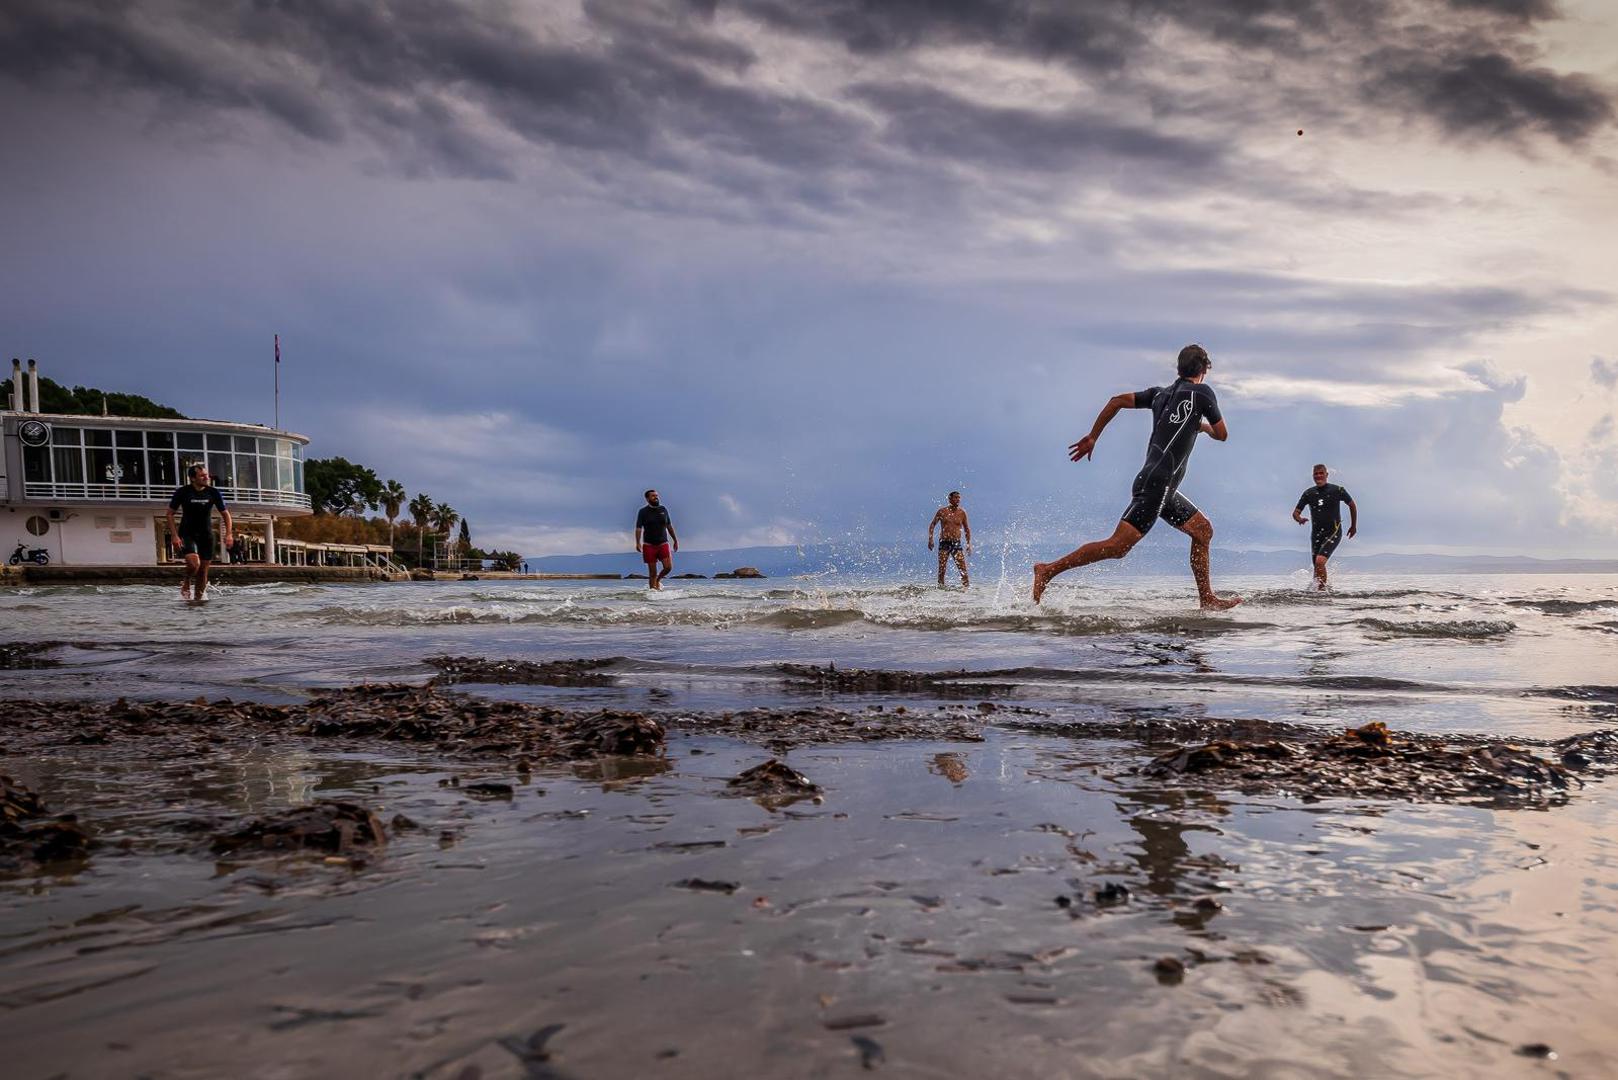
(33, 383)
(16, 385)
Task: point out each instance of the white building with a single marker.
(95, 490)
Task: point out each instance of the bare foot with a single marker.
(1042, 578)
(1220, 603)
(185, 590)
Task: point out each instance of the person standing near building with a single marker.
(193, 538)
(655, 539)
(951, 523)
(1325, 519)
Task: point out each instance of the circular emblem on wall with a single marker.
(34, 433)
(37, 525)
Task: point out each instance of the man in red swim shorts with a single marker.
(655, 539)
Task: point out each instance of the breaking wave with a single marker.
(1463, 630)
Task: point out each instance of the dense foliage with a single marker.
(87, 401)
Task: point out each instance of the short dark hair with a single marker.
(648, 493)
(191, 473)
(955, 493)
(1193, 361)
(1322, 465)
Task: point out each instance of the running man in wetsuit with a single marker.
(1179, 413)
(193, 537)
(1325, 515)
(951, 522)
(653, 533)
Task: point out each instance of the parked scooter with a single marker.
(39, 556)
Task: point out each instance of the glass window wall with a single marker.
(140, 460)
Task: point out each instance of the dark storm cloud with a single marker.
(1491, 95)
(1520, 9)
(937, 124)
(462, 89)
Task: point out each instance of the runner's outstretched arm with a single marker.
(1353, 519)
(1217, 432)
(1086, 446)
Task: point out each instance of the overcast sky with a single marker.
(806, 265)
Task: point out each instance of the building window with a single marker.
(160, 468)
(97, 437)
(99, 464)
(128, 438)
(160, 440)
(224, 473)
(131, 468)
(36, 464)
(69, 462)
(37, 525)
(246, 471)
(186, 441)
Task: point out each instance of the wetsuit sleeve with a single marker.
(1303, 500)
(1210, 404)
(218, 500)
(174, 500)
(1144, 398)
(1342, 493)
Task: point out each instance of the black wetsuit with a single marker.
(196, 524)
(1325, 516)
(1177, 415)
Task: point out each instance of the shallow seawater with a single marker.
(908, 923)
(910, 919)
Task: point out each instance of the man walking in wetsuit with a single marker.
(193, 537)
(1179, 413)
(653, 533)
(951, 522)
(1326, 520)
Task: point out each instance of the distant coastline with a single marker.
(887, 559)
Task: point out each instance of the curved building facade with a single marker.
(94, 490)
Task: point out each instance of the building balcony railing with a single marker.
(132, 493)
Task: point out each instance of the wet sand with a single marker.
(535, 884)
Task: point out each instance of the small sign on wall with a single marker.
(134, 523)
(121, 537)
(106, 522)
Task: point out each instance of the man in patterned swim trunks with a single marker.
(951, 522)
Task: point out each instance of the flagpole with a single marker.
(277, 382)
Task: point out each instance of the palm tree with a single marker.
(444, 519)
(393, 499)
(421, 512)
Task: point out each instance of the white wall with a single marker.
(123, 537)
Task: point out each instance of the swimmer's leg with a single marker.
(1116, 546)
(1201, 531)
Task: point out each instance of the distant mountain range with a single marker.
(895, 560)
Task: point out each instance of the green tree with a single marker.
(88, 401)
(466, 538)
(393, 499)
(421, 512)
(338, 486)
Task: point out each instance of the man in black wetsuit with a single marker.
(1324, 501)
(653, 533)
(1179, 413)
(193, 537)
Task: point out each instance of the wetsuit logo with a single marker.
(1182, 412)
